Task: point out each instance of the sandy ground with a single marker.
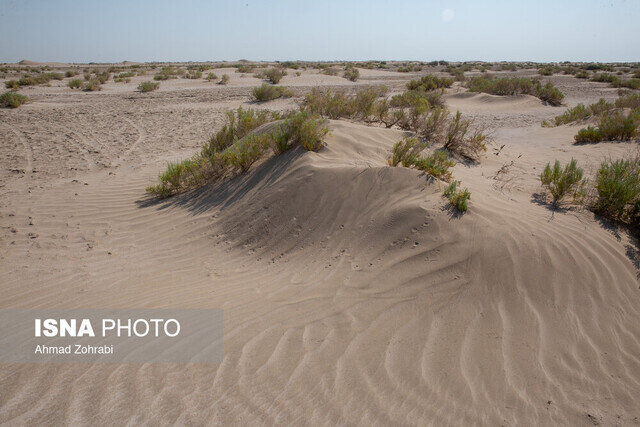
(351, 294)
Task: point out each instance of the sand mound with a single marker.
(487, 102)
(351, 296)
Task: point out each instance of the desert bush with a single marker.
(418, 98)
(628, 101)
(12, 100)
(582, 75)
(305, 129)
(70, 73)
(630, 84)
(549, 93)
(11, 84)
(75, 83)
(617, 185)
(463, 140)
(436, 165)
(331, 71)
(193, 74)
(588, 134)
(515, 86)
(546, 71)
(618, 126)
(405, 151)
(92, 85)
(224, 79)
(351, 73)
(267, 92)
(148, 86)
(563, 182)
(211, 76)
(274, 75)
(238, 124)
(244, 153)
(243, 68)
(604, 78)
(457, 198)
(430, 82)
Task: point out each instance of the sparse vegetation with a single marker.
(563, 182)
(612, 126)
(617, 185)
(224, 79)
(235, 148)
(12, 99)
(92, 85)
(75, 83)
(457, 198)
(516, 86)
(267, 92)
(148, 86)
(274, 75)
(211, 77)
(351, 73)
(430, 82)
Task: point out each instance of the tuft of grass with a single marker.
(267, 92)
(11, 84)
(588, 134)
(563, 182)
(12, 99)
(148, 86)
(457, 198)
(211, 77)
(436, 165)
(462, 140)
(224, 79)
(238, 124)
(274, 75)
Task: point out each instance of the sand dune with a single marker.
(351, 294)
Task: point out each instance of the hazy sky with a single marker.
(195, 30)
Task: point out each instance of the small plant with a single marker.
(436, 165)
(243, 154)
(12, 100)
(305, 129)
(588, 134)
(92, 85)
(274, 75)
(211, 77)
(461, 139)
(224, 79)
(75, 83)
(562, 182)
(267, 92)
(11, 84)
(405, 151)
(148, 86)
(618, 190)
(457, 198)
(351, 73)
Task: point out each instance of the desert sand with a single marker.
(351, 294)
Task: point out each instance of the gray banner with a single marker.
(111, 336)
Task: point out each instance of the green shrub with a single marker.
(604, 78)
(629, 101)
(238, 124)
(562, 182)
(75, 83)
(12, 100)
(11, 84)
(588, 134)
(242, 154)
(515, 86)
(405, 151)
(582, 75)
(619, 126)
(618, 190)
(92, 85)
(305, 129)
(457, 198)
(211, 76)
(436, 165)
(430, 82)
(274, 75)
(148, 86)
(243, 68)
(224, 79)
(331, 71)
(418, 98)
(546, 71)
(267, 92)
(351, 73)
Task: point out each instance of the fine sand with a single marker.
(351, 294)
